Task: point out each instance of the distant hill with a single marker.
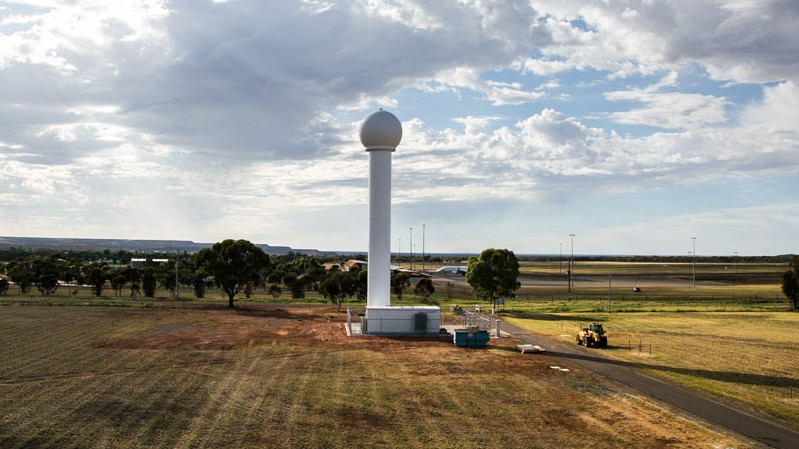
(76, 244)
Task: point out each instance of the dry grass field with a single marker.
(747, 357)
(198, 375)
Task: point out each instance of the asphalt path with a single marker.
(694, 403)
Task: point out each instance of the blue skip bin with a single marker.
(470, 338)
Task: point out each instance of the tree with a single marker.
(493, 275)
(118, 282)
(314, 272)
(97, 274)
(790, 282)
(133, 275)
(424, 288)
(20, 271)
(297, 272)
(45, 275)
(234, 264)
(186, 271)
(148, 281)
(399, 282)
(70, 270)
(295, 284)
(361, 277)
(275, 291)
(133, 278)
(199, 283)
(338, 286)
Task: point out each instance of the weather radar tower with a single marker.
(381, 132)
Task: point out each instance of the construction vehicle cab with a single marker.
(592, 336)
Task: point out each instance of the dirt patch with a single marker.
(324, 329)
(318, 327)
(223, 330)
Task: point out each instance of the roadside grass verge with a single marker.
(747, 357)
(703, 270)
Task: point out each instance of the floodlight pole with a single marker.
(571, 268)
(423, 229)
(411, 247)
(693, 267)
(177, 274)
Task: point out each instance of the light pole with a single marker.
(177, 274)
(736, 268)
(693, 265)
(423, 229)
(399, 251)
(411, 247)
(560, 258)
(571, 268)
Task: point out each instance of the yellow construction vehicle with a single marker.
(592, 336)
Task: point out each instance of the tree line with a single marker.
(239, 266)
(235, 266)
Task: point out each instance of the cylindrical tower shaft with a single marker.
(379, 274)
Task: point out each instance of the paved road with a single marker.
(620, 282)
(692, 402)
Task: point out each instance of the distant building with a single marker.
(138, 263)
(353, 264)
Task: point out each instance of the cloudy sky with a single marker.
(635, 125)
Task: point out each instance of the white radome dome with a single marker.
(381, 131)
